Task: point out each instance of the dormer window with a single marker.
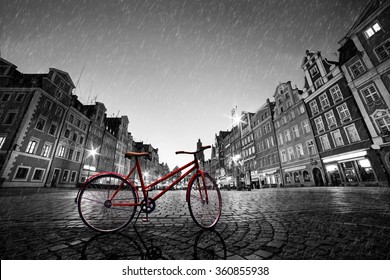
(314, 71)
(370, 31)
(62, 84)
(318, 83)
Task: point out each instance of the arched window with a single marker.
(382, 120)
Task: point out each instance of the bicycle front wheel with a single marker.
(204, 202)
(102, 212)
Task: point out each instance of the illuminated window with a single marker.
(2, 140)
(31, 147)
(370, 31)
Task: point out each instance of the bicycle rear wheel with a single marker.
(204, 202)
(101, 213)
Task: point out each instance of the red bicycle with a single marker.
(108, 201)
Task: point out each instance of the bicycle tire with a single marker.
(97, 211)
(205, 213)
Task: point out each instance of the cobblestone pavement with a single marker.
(296, 223)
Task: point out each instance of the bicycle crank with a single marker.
(148, 208)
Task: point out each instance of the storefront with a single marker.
(269, 178)
(350, 169)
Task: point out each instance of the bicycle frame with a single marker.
(146, 188)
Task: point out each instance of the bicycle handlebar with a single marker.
(192, 153)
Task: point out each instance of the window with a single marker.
(73, 177)
(84, 126)
(306, 176)
(370, 31)
(344, 112)
(296, 177)
(310, 147)
(67, 133)
(291, 155)
(357, 69)
(330, 118)
(287, 135)
(38, 174)
(305, 126)
(284, 120)
(319, 124)
(283, 156)
(46, 150)
(40, 125)
(336, 94)
(337, 139)
(74, 137)
(6, 97)
(77, 156)
(382, 120)
(318, 83)
(53, 129)
(2, 140)
(48, 105)
(62, 84)
(9, 119)
(70, 154)
(20, 97)
(65, 176)
(314, 70)
(31, 146)
(301, 109)
(81, 140)
(61, 151)
(22, 173)
(287, 178)
(383, 51)
(295, 131)
(324, 101)
(352, 133)
(325, 142)
(59, 111)
(292, 115)
(299, 150)
(71, 118)
(57, 94)
(370, 94)
(314, 107)
(280, 139)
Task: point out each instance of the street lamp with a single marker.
(91, 154)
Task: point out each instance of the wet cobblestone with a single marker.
(302, 223)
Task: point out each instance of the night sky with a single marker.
(176, 68)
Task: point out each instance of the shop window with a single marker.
(287, 178)
(306, 176)
(349, 171)
(296, 177)
(366, 171)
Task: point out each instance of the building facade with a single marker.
(300, 162)
(267, 153)
(340, 132)
(365, 62)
